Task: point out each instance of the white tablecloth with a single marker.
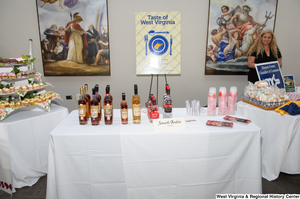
(134, 162)
(24, 139)
(280, 140)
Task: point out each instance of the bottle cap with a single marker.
(135, 89)
(123, 96)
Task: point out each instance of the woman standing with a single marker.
(264, 49)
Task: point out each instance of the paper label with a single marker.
(168, 124)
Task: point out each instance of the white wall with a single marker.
(19, 24)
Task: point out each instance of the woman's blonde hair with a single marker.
(259, 48)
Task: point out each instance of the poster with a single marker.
(289, 82)
(270, 71)
(158, 43)
(233, 27)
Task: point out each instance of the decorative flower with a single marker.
(44, 104)
(2, 112)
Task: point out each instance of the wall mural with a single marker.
(74, 37)
(233, 26)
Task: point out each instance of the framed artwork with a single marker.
(74, 37)
(290, 84)
(158, 43)
(233, 26)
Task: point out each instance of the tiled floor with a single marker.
(284, 184)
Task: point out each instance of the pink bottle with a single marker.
(211, 102)
(222, 102)
(232, 100)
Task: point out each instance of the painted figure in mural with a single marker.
(52, 1)
(92, 45)
(58, 51)
(244, 22)
(233, 42)
(225, 17)
(51, 35)
(46, 50)
(211, 53)
(217, 35)
(65, 49)
(75, 39)
(103, 45)
(70, 3)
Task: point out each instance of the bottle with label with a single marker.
(148, 104)
(82, 108)
(124, 110)
(108, 107)
(98, 96)
(88, 97)
(136, 106)
(86, 102)
(167, 103)
(154, 111)
(94, 109)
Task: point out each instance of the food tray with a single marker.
(263, 105)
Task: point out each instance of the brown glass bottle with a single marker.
(89, 99)
(86, 101)
(124, 110)
(136, 106)
(82, 108)
(94, 109)
(108, 107)
(98, 96)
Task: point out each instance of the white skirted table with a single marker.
(24, 140)
(133, 162)
(280, 140)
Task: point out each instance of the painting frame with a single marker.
(74, 37)
(225, 18)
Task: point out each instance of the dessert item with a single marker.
(35, 86)
(1, 91)
(19, 75)
(18, 104)
(17, 88)
(29, 87)
(24, 88)
(41, 85)
(12, 104)
(6, 90)
(12, 75)
(12, 89)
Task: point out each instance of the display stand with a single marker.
(44, 103)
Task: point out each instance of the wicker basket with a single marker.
(263, 105)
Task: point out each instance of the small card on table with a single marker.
(168, 124)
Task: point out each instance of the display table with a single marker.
(24, 140)
(134, 162)
(280, 140)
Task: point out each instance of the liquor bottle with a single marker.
(148, 104)
(136, 106)
(154, 111)
(85, 97)
(108, 107)
(98, 96)
(167, 104)
(94, 109)
(82, 108)
(124, 110)
(89, 99)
